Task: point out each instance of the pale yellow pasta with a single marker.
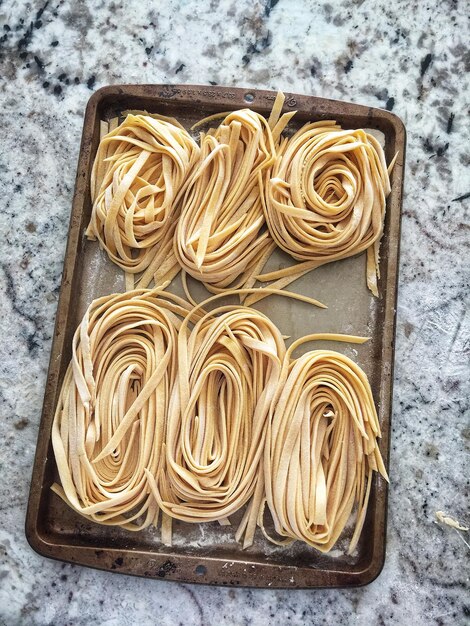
(199, 423)
(325, 199)
(229, 367)
(221, 238)
(140, 168)
(109, 424)
(321, 447)
(167, 407)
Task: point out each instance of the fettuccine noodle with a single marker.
(229, 369)
(139, 169)
(325, 199)
(321, 447)
(221, 238)
(110, 419)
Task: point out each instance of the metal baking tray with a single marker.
(208, 553)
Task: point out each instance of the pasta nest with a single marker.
(221, 238)
(325, 198)
(229, 369)
(109, 423)
(139, 170)
(321, 449)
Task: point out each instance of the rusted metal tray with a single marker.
(208, 553)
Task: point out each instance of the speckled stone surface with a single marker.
(409, 56)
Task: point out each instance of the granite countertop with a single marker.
(408, 56)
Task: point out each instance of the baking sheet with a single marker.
(208, 553)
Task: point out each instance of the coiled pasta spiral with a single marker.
(321, 447)
(139, 169)
(325, 199)
(109, 423)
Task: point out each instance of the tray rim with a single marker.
(182, 567)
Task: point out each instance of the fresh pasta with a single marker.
(200, 421)
(140, 168)
(166, 407)
(221, 238)
(321, 448)
(109, 424)
(229, 368)
(325, 199)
